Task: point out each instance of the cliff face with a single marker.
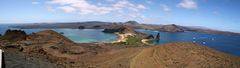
(157, 37)
(121, 29)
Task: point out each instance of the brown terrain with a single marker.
(49, 49)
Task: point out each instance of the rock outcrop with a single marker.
(110, 30)
(122, 30)
(48, 36)
(157, 37)
(81, 27)
(14, 35)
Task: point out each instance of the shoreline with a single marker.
(122, 38)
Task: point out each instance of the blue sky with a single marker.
(215, 14)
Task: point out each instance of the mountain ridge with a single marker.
(133, 24)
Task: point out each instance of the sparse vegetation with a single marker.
(132, 40)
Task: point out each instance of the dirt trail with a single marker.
(183, 55)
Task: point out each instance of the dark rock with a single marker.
(126, 29)
(97, 26)
(157, 37)
(110, 30)
(14, 45)
(122, 30)
(150, 37)
(81, 27)
(61, 33)
(14, 35)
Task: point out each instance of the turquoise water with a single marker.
(227, 44)
(88, 35)
(76, 35)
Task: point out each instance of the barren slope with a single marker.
(183, 55)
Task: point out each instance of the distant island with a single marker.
(133, 24)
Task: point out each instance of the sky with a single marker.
(214, 14)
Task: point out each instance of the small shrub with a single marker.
(132, 40)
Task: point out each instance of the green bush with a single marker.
(132, 40)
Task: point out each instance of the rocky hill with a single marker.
(120, 29)
(14, 35)
(50, 49)
(128, 34)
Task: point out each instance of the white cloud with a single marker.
(140, 6)
(67, 9)
(188, 4)
(85, 7)
(165, 8)
(35, 3)
(122, 8)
